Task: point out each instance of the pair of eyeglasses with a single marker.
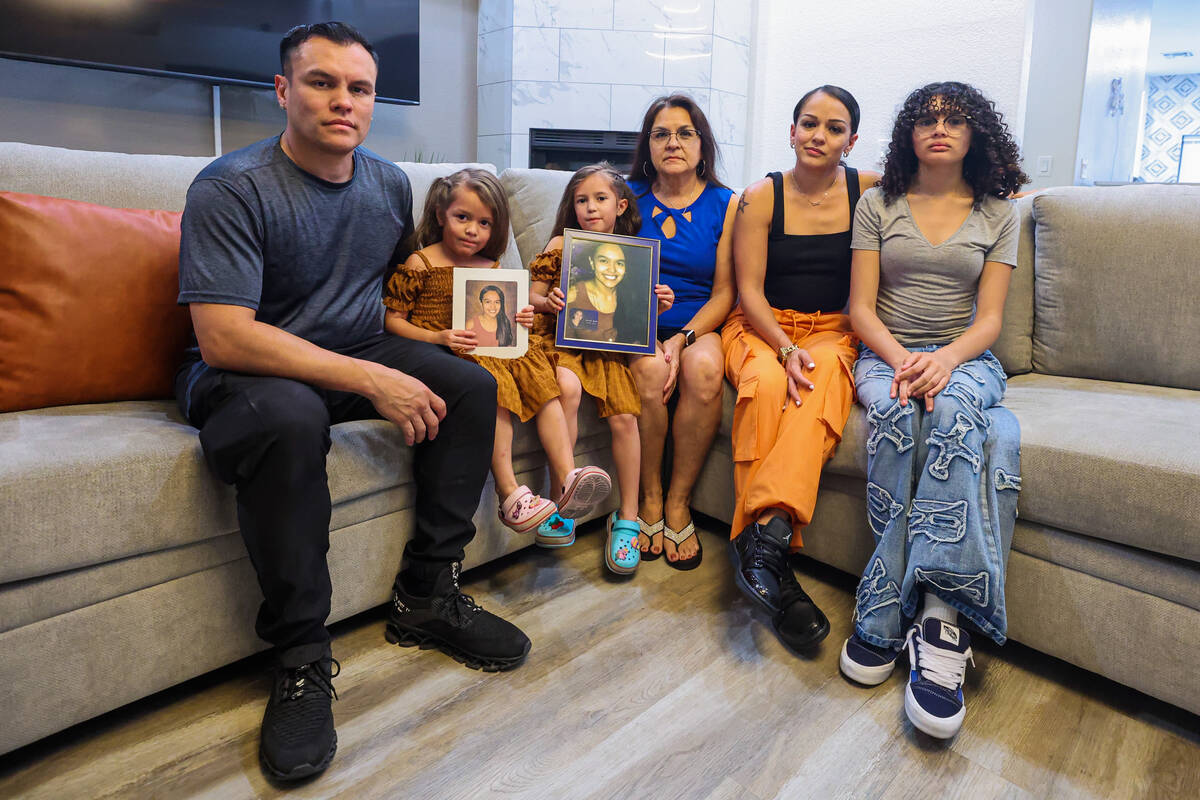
(954, 124)
(683, 135)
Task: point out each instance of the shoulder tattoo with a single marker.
(743, 202)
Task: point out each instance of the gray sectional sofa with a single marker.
(122, 571)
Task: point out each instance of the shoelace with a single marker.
(766, 552)
(298, 679)
(790, 589)
(463, 604)
(946, 668)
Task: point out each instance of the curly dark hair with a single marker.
(706, 170)
(993, 163)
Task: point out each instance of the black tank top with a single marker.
(810, 272)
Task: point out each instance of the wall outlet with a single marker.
(1045, 163)
(1083, 169)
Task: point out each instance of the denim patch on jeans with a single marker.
(941, 498)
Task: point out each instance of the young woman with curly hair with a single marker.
(933, 251)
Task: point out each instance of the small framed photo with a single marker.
(486, 301)
(608, 281)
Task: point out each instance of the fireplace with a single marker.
(556, 148)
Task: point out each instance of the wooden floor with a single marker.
(663, 686)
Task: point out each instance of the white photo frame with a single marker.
(475, 296)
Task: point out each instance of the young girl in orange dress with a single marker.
(596, 199)
(465, 224)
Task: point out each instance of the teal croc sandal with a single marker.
(621, 553)
(556, 532)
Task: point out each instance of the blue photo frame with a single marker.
(608, 282)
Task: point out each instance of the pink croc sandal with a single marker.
(523, 511)
(583, 489)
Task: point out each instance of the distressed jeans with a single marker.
(941, 498)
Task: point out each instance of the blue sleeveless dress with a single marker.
(688, 259)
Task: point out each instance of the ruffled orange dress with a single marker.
(426, 295)
(604, 376)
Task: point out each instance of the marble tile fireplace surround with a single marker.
(594, 65)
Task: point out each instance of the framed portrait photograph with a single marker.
(608, 281)
(486, 301)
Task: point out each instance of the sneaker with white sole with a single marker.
(938, 653)
(863, 662)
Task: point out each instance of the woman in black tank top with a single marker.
(790, 351)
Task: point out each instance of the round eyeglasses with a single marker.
(953, 125)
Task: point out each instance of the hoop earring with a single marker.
(646, 169)
(700, 169)
(792, 145)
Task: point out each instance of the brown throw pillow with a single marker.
(87, 302)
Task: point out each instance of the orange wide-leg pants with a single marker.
(779, 448)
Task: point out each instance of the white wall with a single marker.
(1061, 29)
(97, 110)
(880, 50)
(1109, 131)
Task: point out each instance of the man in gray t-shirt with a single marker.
(282, 260)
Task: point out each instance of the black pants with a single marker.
(269, 438)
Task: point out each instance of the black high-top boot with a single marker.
(452, 622)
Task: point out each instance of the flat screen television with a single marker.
(219, 41)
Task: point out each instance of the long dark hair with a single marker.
(505, 337)
(993, 162)
(630, 221)
(631, 318)
(706, 170)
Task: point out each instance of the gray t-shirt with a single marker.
(308, 255)
(926, 293)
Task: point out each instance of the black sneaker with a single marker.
(298, 739)
(759, 556)
(799, 623)
(453, 623)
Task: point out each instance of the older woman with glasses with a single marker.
(683, 204)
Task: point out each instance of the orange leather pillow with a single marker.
(87, 302)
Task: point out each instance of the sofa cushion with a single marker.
(124, 180)
(1116, 284)
(1014, 347)
(533, 198)
(85, 485)
(87, 302)
(1114, 461)
(1111, 461)
(119, 180)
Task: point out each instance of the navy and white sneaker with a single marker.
(863, 662)
(938, 653)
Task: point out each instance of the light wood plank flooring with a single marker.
(663, 686)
